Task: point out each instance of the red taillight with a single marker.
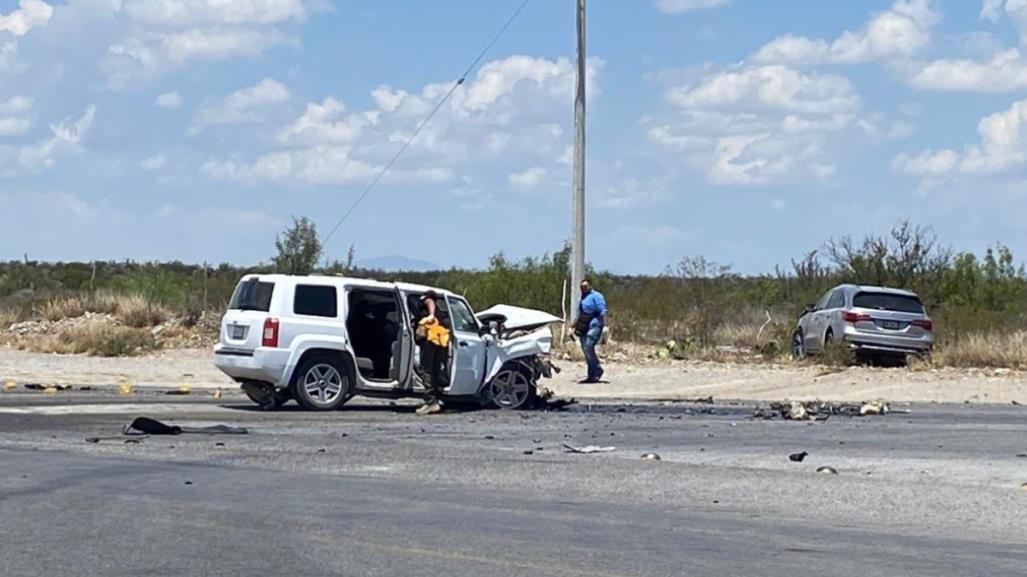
(851, 317)
(924, 324)
(270, 333)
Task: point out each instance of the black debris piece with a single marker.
(219, 444)
(188, 482)
(651, 456)
(320, 450)
(132, 441)
(797, 457)
(148, 426)
(827, 470)
(529, 452)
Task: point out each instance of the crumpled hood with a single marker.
(517, 318)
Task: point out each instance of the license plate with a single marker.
(238, 331)
(891, 324)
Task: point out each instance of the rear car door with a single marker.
(468, 367)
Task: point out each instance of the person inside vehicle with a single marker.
(589, 327)
(433, 339)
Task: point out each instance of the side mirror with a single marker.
(494, 328)
(807, 309)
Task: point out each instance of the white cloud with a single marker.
(169, 101)
(927, 163)
(317, 165)
(1016, 10)
(898, 32)
(758, 124)
(1001, 149)
(512, 108)
(242, 106)
(679, 6)
(218, 43)
(528, 179)
(30, 14)
(143, 56)
(190, 12)
(155, 162)
(66, 137)
(325, 123)
(1006, 71)
(14, 119)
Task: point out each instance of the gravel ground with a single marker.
(663, 380)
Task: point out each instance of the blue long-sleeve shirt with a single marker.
(594, 304)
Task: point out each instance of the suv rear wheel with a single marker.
(321, 384)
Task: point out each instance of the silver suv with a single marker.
(872, 320)
(323, 339)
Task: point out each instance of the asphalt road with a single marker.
(376, 490)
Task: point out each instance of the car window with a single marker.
(463, 318)
(252, 295)
(888, 302)
(822, 303)
(316, 301)
(837, 300)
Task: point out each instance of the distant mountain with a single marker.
(396, 263)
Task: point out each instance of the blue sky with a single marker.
(743, 130)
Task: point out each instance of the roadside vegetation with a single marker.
(695, 309)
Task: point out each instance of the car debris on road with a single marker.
(587, 449)
(821, 411)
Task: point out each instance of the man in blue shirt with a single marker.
(589, 328)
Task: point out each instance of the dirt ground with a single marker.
(668, 380)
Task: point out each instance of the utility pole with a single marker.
(578, 203)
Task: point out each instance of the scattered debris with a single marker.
(827, 470)
(700, 400)
(181, 390)
(1022, 455)
(85, 388)
(8, 385)
(50, 391)
(529, 452)
(39, 387)
(651, 457)
(219, 444)
(797, 457)
(124, 389)
(489, 437)
(188, 482)
(148, 426)
(821, 411)
(216, 393)
(1023, 487)
(1015, 402)
(588, 449)
(321, 450)
(132, 441)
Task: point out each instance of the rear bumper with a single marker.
(889, 344)
(262, 364)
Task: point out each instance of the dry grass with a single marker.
(97, 339)
(135, 311)
(132, 309)
(7, 318)
(984, 350)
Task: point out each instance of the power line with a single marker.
(424, 122)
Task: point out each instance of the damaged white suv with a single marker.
(322, 340)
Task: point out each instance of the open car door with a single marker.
(467, 372)
(404, 357)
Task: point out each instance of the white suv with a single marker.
(323, 339)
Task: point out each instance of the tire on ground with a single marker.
(322, 383)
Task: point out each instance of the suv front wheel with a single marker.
(321, 384)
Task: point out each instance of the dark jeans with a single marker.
(588, 346)
(432, 359)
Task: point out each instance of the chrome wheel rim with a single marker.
(509, 390)
(323, 384)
